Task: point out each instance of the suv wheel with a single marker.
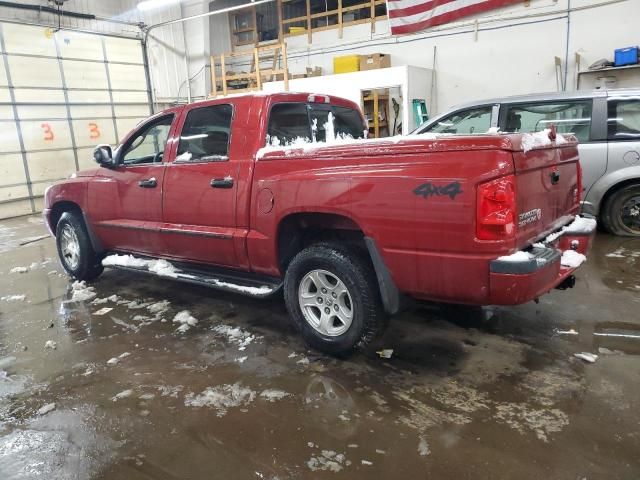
(75, 250)
(621, 214)
(332, 295)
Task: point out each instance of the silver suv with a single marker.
(607, 124)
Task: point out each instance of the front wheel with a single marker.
(332, 295)
(75, 250)
(621, 214)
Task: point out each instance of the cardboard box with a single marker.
(374, 61)
(346, 64)
(314, 72)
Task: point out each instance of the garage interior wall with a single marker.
(509, 52)
(61, 93)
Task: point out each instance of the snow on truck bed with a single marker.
(303, 146)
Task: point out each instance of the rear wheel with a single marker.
(332, 295)
(75, 250)
(621, 215)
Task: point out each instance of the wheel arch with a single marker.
(609, 184)
(616, 188)
(62, 207)
(299, 230)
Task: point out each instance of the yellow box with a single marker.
(346, 64)
(297, 30)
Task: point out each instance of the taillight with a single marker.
(496, 209)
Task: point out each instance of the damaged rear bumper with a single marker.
(547, 265)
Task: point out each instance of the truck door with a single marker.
(125, 202)
(200, 186)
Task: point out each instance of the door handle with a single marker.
(226, 182)
(555, 177)
(148, 183)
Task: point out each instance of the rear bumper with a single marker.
(513, 282)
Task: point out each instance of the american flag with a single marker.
(408, 16)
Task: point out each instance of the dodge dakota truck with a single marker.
(257, 194)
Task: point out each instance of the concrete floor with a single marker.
(468, 393)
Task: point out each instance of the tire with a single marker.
(81, 262)
(619, 215)
(356, 301)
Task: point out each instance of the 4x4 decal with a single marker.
(426, 190)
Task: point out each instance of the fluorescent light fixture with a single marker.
(152, 4)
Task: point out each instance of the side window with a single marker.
(288, 122)
(624, 119)
(568, 117)
(205, 134)
(477, 120)
(147, 145)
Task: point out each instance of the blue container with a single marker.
(626, 56)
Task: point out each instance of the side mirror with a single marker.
(103, 155)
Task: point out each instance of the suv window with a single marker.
(205, 134)
(289, 121)
(624, 119)
(147, 145)
(568, 117)
(476, 120)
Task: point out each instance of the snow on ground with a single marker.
(328, 460)
(159, 307)
(221, 398)
(13, 298)
(81, 293)
(49, 407)
(186, 321)
(51, 345)
(121, 395)
(586, 356)
(572, 259)
(423, 447)
(273, 395)
(19, 270)
(235, 335)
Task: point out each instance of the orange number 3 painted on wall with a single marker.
(48, 133)
(94, 131)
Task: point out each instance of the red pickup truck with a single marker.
(261, 193)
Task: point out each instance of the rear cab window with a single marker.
(623, 119)
(569, 117)
(308, 122)
(206, 134)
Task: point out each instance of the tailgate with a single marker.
(548, 185)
